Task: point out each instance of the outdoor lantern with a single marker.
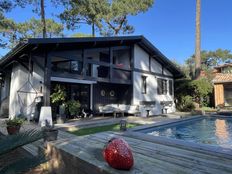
(123, 124)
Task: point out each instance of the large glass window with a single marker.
(67, 66)
(119, 74)
(67, 62)
(162, 86)
(98, 54)
(60, 65)
(76, 67)
(121, 57)
(103, 71)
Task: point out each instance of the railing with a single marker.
(119, 74)
(99, 71)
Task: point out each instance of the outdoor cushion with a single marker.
(123, 107)
(133, 109)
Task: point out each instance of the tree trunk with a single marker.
(198, 40)
(93, 29)
(43, 18)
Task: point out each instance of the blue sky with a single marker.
(170, 25)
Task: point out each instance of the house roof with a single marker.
(224, 65)
(222, 78)
(54, 43)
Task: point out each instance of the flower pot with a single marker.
(13, 129)
(50, 135)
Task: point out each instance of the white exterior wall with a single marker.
(151, 93)
(156, 67)
(24, 104)
(166, 72)
(141, 59)
(18, 78)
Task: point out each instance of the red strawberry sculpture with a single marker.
(118, 154)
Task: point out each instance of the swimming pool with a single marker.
(215, 131)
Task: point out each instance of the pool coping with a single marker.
(203, 148)
(164, 123)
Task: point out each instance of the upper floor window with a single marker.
(63, 65)
(98, 54)
(162, 86)
(144, 84)
(121, 57)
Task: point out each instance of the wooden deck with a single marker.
(84, 155)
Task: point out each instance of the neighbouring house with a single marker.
(223, 85)
(95, 71)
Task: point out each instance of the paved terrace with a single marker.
(76, 124)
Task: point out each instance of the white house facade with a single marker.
(95, 71)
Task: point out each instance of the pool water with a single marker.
(213, 131)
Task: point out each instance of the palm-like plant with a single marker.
(12, 142)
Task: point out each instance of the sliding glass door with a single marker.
(81, 92)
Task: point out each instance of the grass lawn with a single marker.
(92, 130)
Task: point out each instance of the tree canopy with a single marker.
(83, 11)
(209, 60)
(110, 17)
(32, 28)
(6, 25)
(107, 17)
(116, 20)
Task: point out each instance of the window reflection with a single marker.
(221, 130)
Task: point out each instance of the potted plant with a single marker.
(73, 107)
(58, 98)
(50, 133)
(13, 125)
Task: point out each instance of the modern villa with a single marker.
(96, 71)
(114, 76)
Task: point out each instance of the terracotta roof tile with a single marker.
(220, 77)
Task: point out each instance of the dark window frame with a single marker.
(143, 84)
(170, 83)
(162, 87)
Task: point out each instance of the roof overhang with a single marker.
(54, 43)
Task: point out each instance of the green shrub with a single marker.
(73, 107)
(185, 103)
(201, 90)
(59, 95)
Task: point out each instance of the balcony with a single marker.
(122, 76)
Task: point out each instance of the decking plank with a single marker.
(157, 165)
(86, 151)
(182, 157)
(149, 157)
(165, 148)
